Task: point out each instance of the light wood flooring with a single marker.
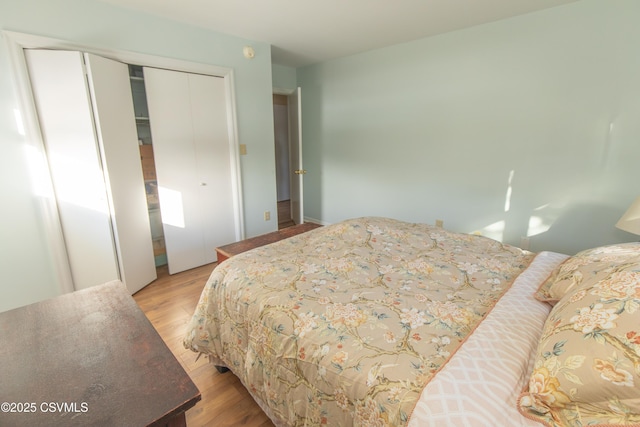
(169, 303)
(284, 214)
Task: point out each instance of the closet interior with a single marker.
(145, 143)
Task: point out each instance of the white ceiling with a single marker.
(304, 32)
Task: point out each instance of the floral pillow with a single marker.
(587, 366)
(588, 265)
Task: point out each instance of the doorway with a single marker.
(288, 152)
(283, 169)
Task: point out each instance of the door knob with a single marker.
(299, 171)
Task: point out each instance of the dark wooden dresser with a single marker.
(89, 358)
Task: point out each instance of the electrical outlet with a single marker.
(524, 243)
(243, 149)
(267, 215)
(439, 223)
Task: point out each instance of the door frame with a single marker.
(293, 164)
(16, 42)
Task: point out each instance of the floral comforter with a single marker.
(346, 324)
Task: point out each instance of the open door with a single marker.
(118, 144)
(295, 156)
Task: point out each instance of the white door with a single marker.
(86, 142)
(295, 154)
(116, 130)
(189, 130)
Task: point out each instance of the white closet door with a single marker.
(64, 111)
(189, 129)
(91, 143)
(116, 128)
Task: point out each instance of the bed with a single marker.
(374, 322)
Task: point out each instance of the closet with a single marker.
(85, 112)
(147, 159)
(189, 127)
(86, 115)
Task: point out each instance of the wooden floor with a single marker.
(169, 303)
(284, 214)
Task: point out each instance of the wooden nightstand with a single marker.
(227, 251)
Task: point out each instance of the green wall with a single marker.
(283, 77)
(543, 107)
(26, 261)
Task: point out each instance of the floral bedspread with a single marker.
(346, 324)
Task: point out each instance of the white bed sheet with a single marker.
(479, 386)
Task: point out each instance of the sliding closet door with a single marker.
(118, 137)
(64, 111)
(190, 136)
(88, 126)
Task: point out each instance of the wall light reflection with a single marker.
(19, 121)
(540, 223)
(494, 231)
(171, 207)
(507, 201)
(39, 172)
(87, 192)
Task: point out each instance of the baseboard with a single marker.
(315, 221)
